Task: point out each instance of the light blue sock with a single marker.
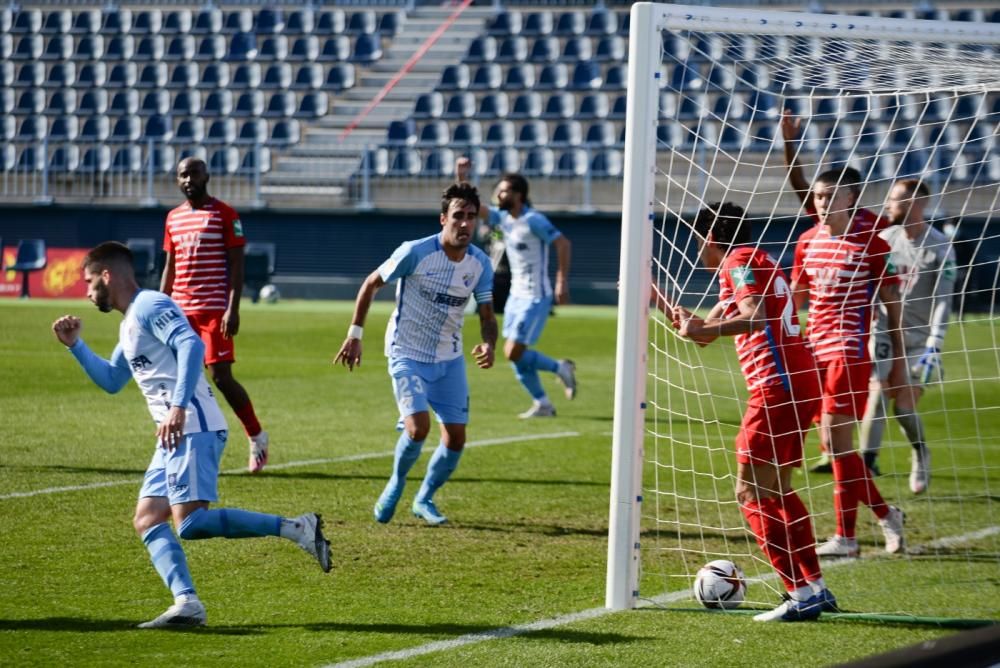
(527, 374)
(168, 559)
(407, 453)
(541, 362)
(442, 464)
(229, 523)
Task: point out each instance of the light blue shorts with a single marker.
(524, 319)
(189, 472)
(442, 386)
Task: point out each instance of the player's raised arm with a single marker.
(790, 128)
(350, 351)
(463, 172)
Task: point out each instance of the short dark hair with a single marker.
(107, 255)
(726, 222)
(464, 191)
(844, 177)
(518, 184)
(914, 187)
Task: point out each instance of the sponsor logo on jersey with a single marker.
(467, 279)
(450, 300)
(165, 318)
(238, 227)
(742, 276)
(140, 362)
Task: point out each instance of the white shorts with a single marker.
(881, 349)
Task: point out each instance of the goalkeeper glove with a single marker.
(928, 368)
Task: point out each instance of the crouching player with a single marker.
(159, 349)
(755, 306)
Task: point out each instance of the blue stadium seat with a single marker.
(177, 22)
(61, 75)
(180, 48)
(62, 103)
(218, 103)
(31, 160)
(208, 21)
(6, 103)
(269, 21)
(149, 49)
(602, 22)
(57, 22)
(313, 105)
(331, 22)
(559, 106)
(213, 76)
(482, 49)
(31, 75)
(92, 75)
(199, 152)
(373, 161)
(586, 76)
(237, 21)
(570, 24)
(734, 137)
(572, 163)
(64, 128)
(94, 129)
(735, 48)
(763, 105)
(440, 162)
(153, 75)
(669, 135)
(763, 137)
(504, 23)
(467, 133)
(532, 134)
(221, 131)
(186, 103)
(391, 23)
(612, 48)
(538, 23)
(519, 77)
(64, 160)
(538, 161)
(29, 47)
(401, 133)
(526, 106)
(335, 49)
(544, 50)
(89, 47)
(493, 105)
(8, 158)
(158, 128)
(554, 76)
(577, 49)
(340, 77)
(242, 47)
(607, 164)
(280, 105)
(155, 102)
(434, 133)
(124, 103)
(190, 131)
(96, 160)
(211, 48)
(840, 137)
(460, 105)
(161, 158)
(26, 21)
(594, 106)
(304, 49)
(119, 47)
(796, 106)
(285, 133)
(31, 102)
(827, 109)
(300, 22)
(308, 77)
(183, 76)
(454, 77)
(126, 129)
(405, 162)
(601, 133)
(274, 48)
(503, 161)
(512, 50)
(429, 105)
(247, 76)
(58, 47)
(224, 161)
(501, 133)
(277, 77)
(147, 22)
(967, 107)
(253, 131)
(567, 133)
(362, 23)
(488, 76)
(255, 160)
(685, 78)
(367, 49)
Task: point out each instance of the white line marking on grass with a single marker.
(297, 464)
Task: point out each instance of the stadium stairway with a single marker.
(321, 164)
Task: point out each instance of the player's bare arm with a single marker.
(350, 351)
(790, 128)
(703, 332)
(564, 253)
(484, 353)
(463, 170)
(231, 318)
(67, 329)
(167, 280)
(898, 376)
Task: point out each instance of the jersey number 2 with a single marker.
(789, 319)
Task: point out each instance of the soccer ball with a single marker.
(269, 294)
(720, 584)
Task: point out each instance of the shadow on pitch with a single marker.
(450, 631)
(415, 477)
(74, 625)
(75, 469)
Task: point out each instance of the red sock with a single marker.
(801, 539)
(771, 533)
(868, 493)
(249, 419)
(847, 471)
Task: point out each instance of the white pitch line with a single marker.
(297, 464)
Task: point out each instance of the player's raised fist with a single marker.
(790, 125)
(67, 329)
(463, 168)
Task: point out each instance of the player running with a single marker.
(755, 306)
(423, 341)
(204, 243)
(527, 236)
(925, 262)
(159, 349)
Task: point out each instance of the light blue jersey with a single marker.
(430, 299)
(527, 239)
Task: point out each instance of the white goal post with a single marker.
(656, 196)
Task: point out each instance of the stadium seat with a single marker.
(734, 137)
(127, 160)
(189, 131)
(146, 22)
(89, 47)
(439, 162)
(31, 159)
(177, 22)
(159, 128)
(155, 102)
(224, 161)
(482, 49)
(30, 256)
(211, 48)
(30, 102)
(186, 103)
(57, 22)
(242, 47)
(567, 133)
(280, 105)
(184, 76)
(199, 152)
(572, 163)
(519, 77)
(255, 160)
(586, 76)
(501, 133)
(58, 47)
(96, 160)
(686, 78)
(26, 21)
(269, 21)
(92, 75)
(554, 76)
(308, 77)
(7, 107)
(827, 109)
(544, 50)
(488, 76)
(31, 75)
(304, 50)
(405, 162)
(340, 77)
(611, 48)
(764, 138)
(538, 161)
(153, 75)
(300, 22)
(763, 105)
(503, 161)
(331, 22)
(460, 105)
(218, 103)
(532, 134)
(247, 76)
(94, 129)
(277, 77)
(593, 106)
(313, 105)
(367, 49)
(454, 77)
(119, 48)
(8, 161)
(570, 24)
(214, 76)
(362, 23)
(391, 23)
(221, 131)
(429, 105)
(374, 161)
(126, 129)
(493, 105)
(29, 47)
(149, 49)
(180, 48)
(253, 131)
(526, 106)
(434, 133)
(537, 24)
(601, 134)
(237, 21)
(512, 50)
(284, 133)
(602, 22)
(467, 133)
(504, 23)
(33, 128)
(559, 106)
(401, 133)
(64, 128)
(608, 163)
(335, 49)
(577, 49)
(64, 160)
(62, 103)
(274, 48)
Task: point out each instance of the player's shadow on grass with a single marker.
(74, 625)
(75, 469)
(450, 631)
(414, 479)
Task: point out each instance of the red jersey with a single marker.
(842, 275)
(199, 240)
(864, 219)
(773, 359)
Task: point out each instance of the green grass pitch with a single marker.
(528, 505)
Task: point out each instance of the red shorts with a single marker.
(772, 432)
(845, 385)
(208, 325)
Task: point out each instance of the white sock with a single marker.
(801, 593)
(818, 585)
(290, 528)
(544, 402)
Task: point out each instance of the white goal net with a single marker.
(893, 100)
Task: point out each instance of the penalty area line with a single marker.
(296, 464)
